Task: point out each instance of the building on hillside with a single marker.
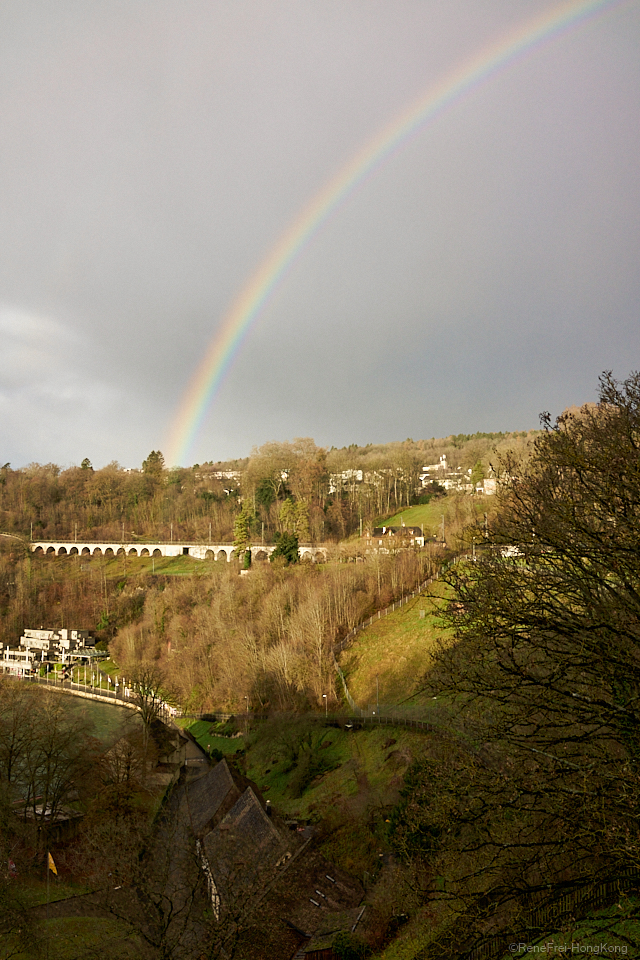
(219, 475)
(401, 536)
(242, 854)
(38, 646)
(347, 477)
(450, 479)
(433, 471)
(286, 894)
(57, 641)
(59, 645)
(17, 662)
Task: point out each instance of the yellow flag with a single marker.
(52, 865)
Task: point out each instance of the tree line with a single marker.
(296, 487)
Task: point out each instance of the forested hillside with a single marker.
(217, 640)
(534, 816)
(214, 638)
(322, 495)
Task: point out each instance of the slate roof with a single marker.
(246, 835)
(209, 797)
(296, 898)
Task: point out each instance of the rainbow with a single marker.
(229, 336)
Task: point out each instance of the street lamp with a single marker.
(326, 704)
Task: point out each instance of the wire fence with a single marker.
(350, 637)
(396, 605)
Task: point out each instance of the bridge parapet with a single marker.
(199, 551)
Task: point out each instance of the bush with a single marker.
(348, 946)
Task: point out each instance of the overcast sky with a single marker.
(152, 153)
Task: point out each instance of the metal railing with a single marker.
(117, 696)
(577, 903)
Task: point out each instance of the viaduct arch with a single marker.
(199, 551)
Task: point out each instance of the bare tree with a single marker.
(147, 680)
(541, 793)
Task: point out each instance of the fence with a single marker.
(116, 697)
(342, 644)
(575, 904)
(396, 605)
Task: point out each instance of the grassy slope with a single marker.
(167, 566)
(426, 515)
(363, 772)
(207, 735)
(429, 515)
(396, 649)
(606, 927)
(34, 892)
(353, 798)
(115, 568)
(71, 938)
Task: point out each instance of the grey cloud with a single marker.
(153, 153)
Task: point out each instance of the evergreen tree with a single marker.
(287, 547)
(242, 529)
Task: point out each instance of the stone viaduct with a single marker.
(200, 551)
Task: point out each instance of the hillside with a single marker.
(386, 661)
(333, 490)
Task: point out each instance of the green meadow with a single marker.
(385, 662)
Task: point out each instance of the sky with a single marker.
(153, 153)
